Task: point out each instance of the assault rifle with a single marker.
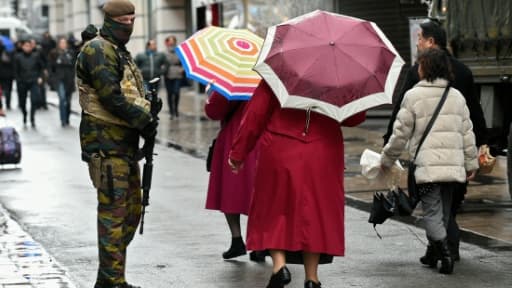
(147, 149)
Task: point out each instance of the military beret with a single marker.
(114, 8)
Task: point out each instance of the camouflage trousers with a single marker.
(119, 211)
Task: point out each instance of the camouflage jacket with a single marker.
(100, 65)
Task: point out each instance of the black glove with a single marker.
(149, 130)
(156, 107)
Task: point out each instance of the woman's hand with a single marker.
(209, 87)
(470, 175)
(235, 165)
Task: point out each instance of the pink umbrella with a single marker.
(333, 64)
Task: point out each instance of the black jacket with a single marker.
(6, 64)
(464, 83)
(28, 67)
(61, 69)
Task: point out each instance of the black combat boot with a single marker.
(281, 278)
(446, 257)
(431, 255)
(237, 248)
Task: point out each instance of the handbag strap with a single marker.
(432, 120)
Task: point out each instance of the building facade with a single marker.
(157, 19)
(154, 19)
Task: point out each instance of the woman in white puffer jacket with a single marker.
(447, 157)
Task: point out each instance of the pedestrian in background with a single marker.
(6, 74)
(29, 72)
(432, 35)
(448, 155)
(115, 115)
(61, 67)
(42, 86)
(151, 63)
(47, 43)
(173, 77)
(89, 33)
(230, 193)
(297, 209)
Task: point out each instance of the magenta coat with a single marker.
(228, 192)
(298, 202)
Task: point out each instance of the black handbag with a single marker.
(412, 187)
(210, 155)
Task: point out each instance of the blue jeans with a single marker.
(64, 103)
(173, 95)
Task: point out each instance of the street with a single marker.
(51, 197)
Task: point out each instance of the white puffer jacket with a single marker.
(449, 149)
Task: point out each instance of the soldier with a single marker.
(114, 115)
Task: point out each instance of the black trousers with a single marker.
(6, 85)
(23, 89)
(453, 230)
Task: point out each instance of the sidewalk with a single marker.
(485, 218)
(24, 262)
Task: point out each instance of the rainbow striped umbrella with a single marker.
(224, 55)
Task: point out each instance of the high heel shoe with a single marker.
(237, 248)
(281, 278)
(312, 284)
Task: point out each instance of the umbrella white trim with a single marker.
(333, 111)
(300, 102)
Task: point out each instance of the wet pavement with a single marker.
(24, 262)
(181, 247)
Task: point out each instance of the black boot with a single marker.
(281, 278)
(446, 257)
(237, 248)
(431, 255)
(258, 256)
(312, 284)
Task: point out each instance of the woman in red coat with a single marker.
(297, 211)
(228, 192)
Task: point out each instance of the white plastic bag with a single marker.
(370, 164)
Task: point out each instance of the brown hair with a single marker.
(435, 63)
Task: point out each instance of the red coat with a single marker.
(298, 202)
(228, 192)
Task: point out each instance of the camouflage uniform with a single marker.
(114, 112)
